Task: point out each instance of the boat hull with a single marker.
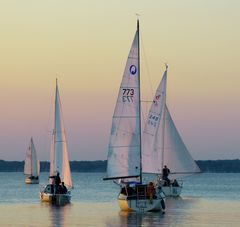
(31, 181)
(47, 195)
(56, 199)
(139, 198)
(143, 205)
(171, 191)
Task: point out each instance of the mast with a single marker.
(163, 130)
(53, 145)
(31, 155)
(139, 111)
(54, 130)
(55, 108)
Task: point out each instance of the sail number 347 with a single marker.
(127, 95)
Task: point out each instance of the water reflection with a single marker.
(59, 215)
(186, 211)
(178, 213)
(140, 219)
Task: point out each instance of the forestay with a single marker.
(31, 162)
(124, 145)
(59, 161)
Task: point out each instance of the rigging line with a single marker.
(147, 66)
(144, 115)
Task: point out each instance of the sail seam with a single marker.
(130, 57)
(128, 87)
(148, 133)
(125, 146)
(125, 116)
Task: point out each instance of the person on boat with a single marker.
(175, 183)
(124, 190)
(56, 182)
(57, 179)
(165, 173)
(151, 191)
(63, 189)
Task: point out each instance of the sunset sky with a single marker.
(85, 45)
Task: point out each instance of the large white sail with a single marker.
(162, 144)
(31, 162)
(59, 161)
(176, 155)
(151, 157)
(124, 145)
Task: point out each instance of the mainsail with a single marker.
(31, 162)
(162, 144)
(59, 161)
(124, 146)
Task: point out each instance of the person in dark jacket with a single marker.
(63, 188)
(165, 173)
(56, 182)
(57, 179)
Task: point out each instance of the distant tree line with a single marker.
(219, 166)
(211, 166)
(76, 166)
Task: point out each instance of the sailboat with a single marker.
(53, 192)
(163, 145)
(124, 164)
(31, 165)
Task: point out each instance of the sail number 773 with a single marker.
(127, 94)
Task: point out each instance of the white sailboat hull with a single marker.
(138, 199)
(47, 195)
(140, 205)
(56, 199)
(171, 191)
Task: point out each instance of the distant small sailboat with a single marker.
(54, 192)
(124, 152)
(31, 165)
(162, 144)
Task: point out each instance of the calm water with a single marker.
(207, 200)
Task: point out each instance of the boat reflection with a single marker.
(140, 219)
(59, 215)
(172, 215)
